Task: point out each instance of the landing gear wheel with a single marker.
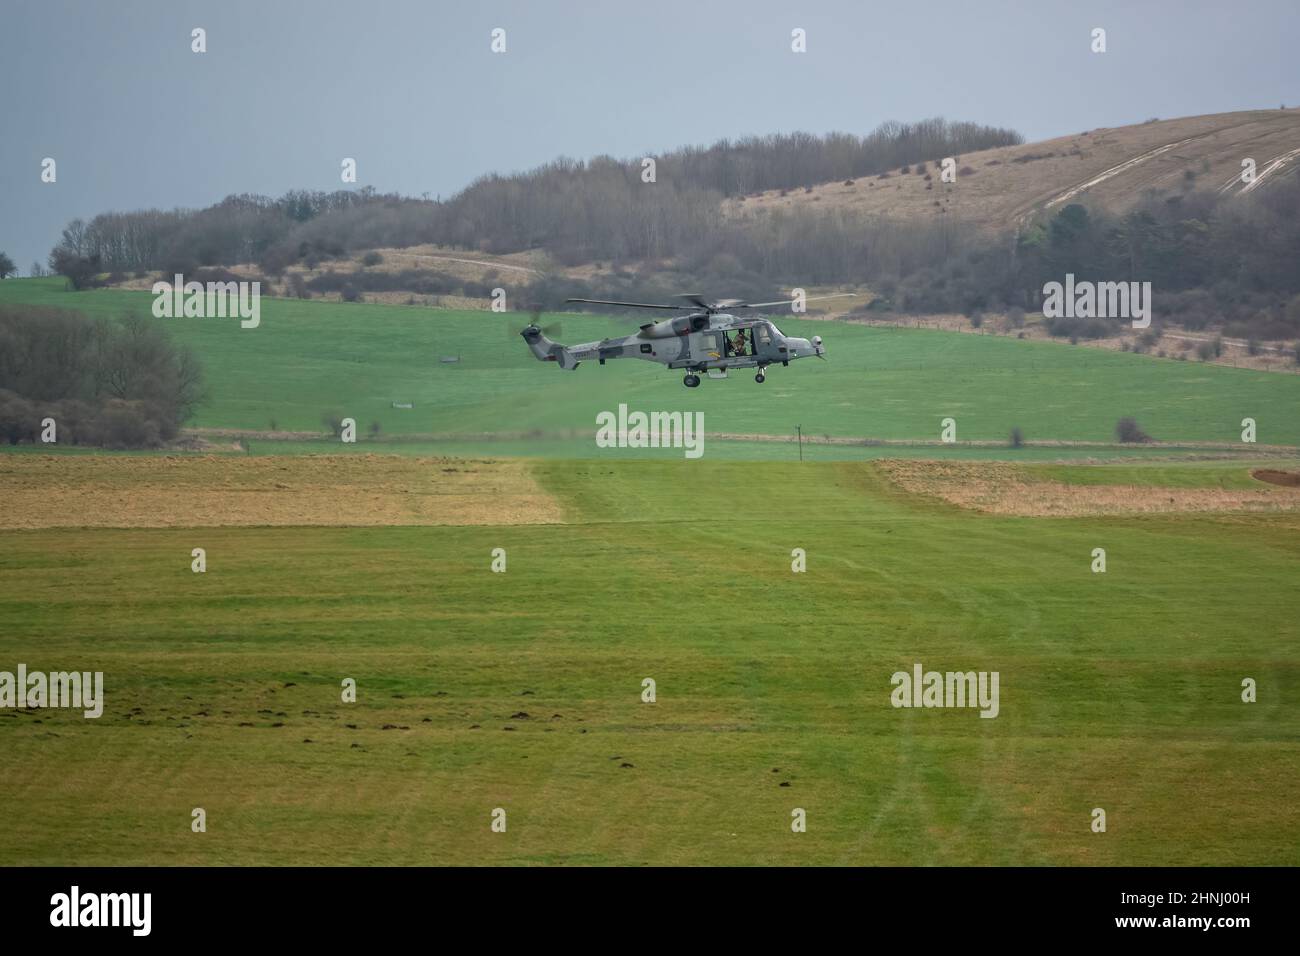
(760, 378)
(691, 381)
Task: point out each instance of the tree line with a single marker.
(1211, 259)
(117, 384)
(578, 211)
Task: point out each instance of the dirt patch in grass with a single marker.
(1006, 489)
(1287, 479)
(108, 491)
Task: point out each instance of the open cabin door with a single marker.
(712, 347)
(765, 343)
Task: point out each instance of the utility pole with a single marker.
(799, 428)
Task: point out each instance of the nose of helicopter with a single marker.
(803, 347)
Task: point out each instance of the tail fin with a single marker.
(548, 351)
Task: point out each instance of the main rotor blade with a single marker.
(815, 298)
(630, 305)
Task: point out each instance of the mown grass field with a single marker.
(309, 358)
(522, 690)
(1118, 690)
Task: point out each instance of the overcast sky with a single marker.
(412, 91)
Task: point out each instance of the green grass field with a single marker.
(1118, 690)
(309, 358)
(715, 449)
(523, 690)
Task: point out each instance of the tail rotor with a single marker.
(554, 329)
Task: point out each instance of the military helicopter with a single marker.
(707, 339)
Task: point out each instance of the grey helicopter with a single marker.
(707, 339)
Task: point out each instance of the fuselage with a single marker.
(702, 341)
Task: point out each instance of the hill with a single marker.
(1160, 203)
(1113, 168)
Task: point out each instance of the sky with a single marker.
(412, 90)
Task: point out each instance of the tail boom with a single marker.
(547, 351)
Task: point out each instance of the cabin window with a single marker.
(739, 342)
(764, 335)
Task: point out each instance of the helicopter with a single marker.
(708, 339)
